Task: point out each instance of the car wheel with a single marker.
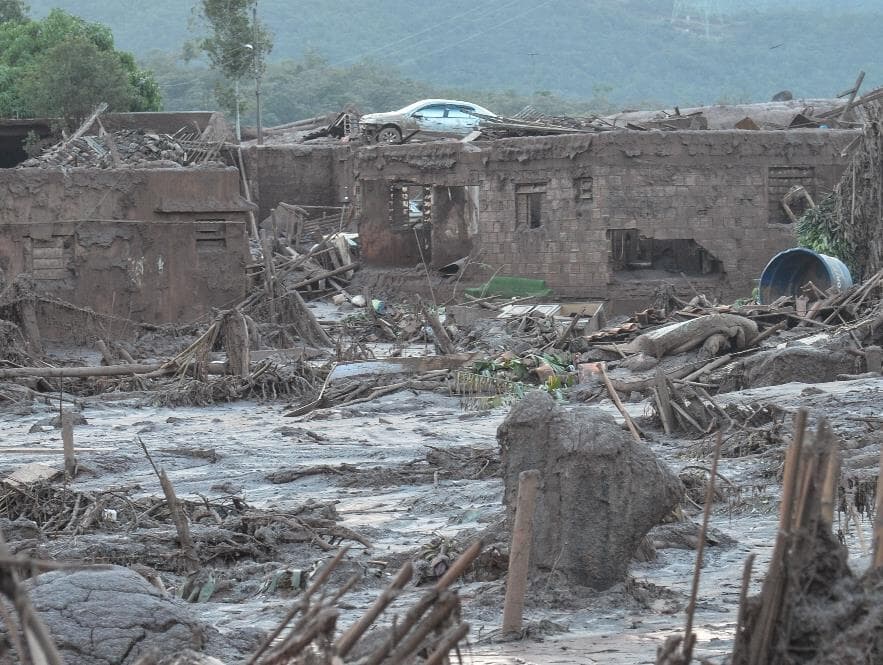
(389, 134)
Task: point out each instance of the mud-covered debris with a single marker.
(114, 615)
(600, 491)
(800, 364)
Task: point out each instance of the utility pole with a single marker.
(257, 72)
(238, 122)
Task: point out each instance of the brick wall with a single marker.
(719, 189)
(299, 175)
(152, 245)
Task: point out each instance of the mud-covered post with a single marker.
(67, 438)
(236, 343)
(519, 553)
(873, 359)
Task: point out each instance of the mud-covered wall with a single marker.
(151, 245)
(49, 195)
(318, 175)
(154, 272)
(720, 189)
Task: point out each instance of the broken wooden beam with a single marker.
(519, 553)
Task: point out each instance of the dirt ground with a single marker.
(405, 470)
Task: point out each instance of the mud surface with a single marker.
(408, 475)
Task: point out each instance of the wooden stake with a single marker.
(67, 437)
(852, 93)
(663, 400)
(182, 526)
(829, 488)
(348, 640)
(519, 553)
(689, 638)
(878, 517)
(235, 330)
(615, 397)
(269, 275)
(743, 601)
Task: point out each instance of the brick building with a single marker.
(154, 245)
(602, 216)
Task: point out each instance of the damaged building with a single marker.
(600, 215)
(153, 243)
(609, 216)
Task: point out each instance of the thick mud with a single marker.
(408, 475)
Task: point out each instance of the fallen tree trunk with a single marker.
(681, 337)
(111, 370)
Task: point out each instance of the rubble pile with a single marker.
(812, 608)
(129, 147)
(341, 125)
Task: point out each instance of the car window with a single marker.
(434, 111)
(460, 112)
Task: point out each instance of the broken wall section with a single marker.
(419, 202)
(299, 174)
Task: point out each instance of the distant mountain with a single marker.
(667, 51)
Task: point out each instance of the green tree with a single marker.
(13, 10)
(72, 77)
(30, 49)
(236, 45)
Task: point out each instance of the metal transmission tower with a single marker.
(697, 12)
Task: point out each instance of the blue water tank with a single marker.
(791, 269)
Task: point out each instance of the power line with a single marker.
(477, 34)
(414, 35)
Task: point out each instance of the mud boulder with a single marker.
(600, 492)
(801, 364)
(113, 615)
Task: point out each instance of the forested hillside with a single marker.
(651, 51)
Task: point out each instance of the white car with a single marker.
(428, 116)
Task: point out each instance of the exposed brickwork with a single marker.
(709, 186)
